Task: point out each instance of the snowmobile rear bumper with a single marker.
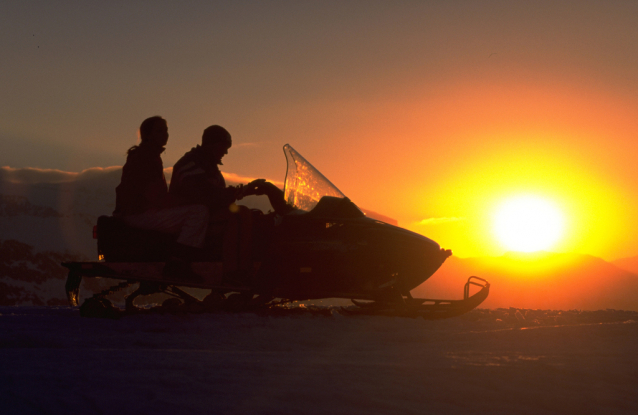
(72, 287)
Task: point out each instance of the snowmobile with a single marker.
(323, 247)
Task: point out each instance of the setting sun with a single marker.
(528, 224)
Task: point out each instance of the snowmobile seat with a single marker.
(118, 242)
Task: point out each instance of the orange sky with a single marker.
(422, 111)
(478, 146)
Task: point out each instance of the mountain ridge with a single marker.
(540, 280)
(630, 263)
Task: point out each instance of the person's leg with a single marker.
(194, 226)
(189, 222)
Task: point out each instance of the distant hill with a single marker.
(540, 281)
(628, 264)
(30, 277)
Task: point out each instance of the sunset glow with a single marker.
(430, 113)
(528, 224)
(450, 187)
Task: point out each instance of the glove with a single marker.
(256, 187)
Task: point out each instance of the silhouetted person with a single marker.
(197, 179)
(142, 199)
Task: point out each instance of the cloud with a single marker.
(103, 180)
(438, 221)
(232, 178)
(31, 175)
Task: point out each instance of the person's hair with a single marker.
(146, 129)
(213, 134)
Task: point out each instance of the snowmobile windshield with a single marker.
(304, 185)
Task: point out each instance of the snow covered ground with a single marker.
(52, 361)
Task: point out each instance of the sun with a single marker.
(528, 224)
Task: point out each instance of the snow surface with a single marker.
(53, 361)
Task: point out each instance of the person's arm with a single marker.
(275, 194)
(156, 194)
(154, 189)
(196, 188)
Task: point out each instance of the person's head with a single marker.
(216, 141)
(154, 131)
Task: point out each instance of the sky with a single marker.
(433, 113)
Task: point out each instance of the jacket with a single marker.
(197, 180)
(143, 185)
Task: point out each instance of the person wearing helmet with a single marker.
(197, 179)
